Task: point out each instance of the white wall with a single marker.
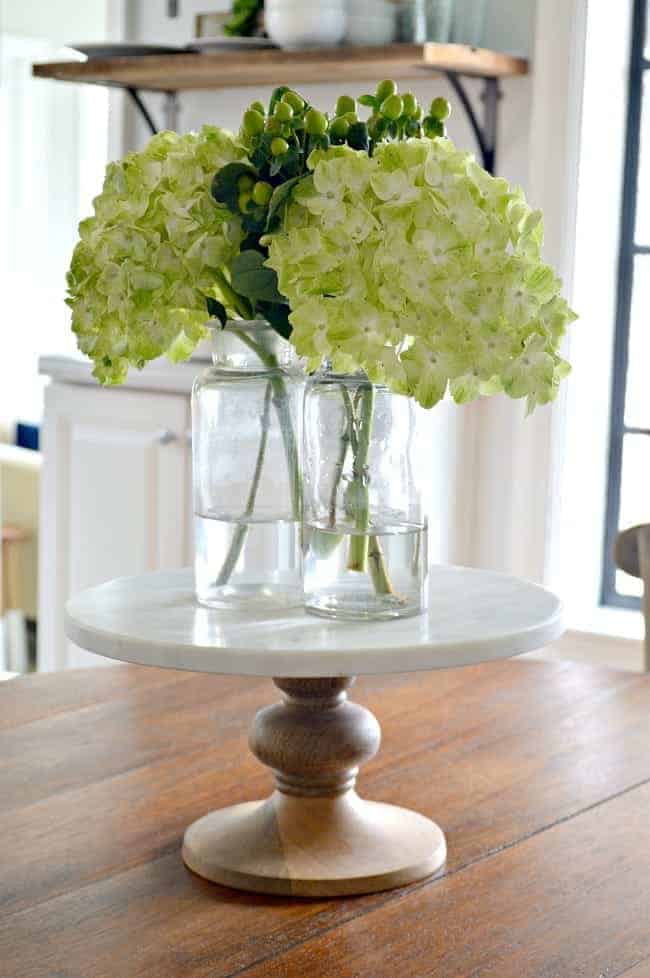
(509, 26)
(60, 21)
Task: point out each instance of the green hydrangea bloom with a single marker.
(147, 259)
(420, 268)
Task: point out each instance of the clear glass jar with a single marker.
(246, 435)
(365, 528)
(424, 20)
(438, 16)
(469, 22)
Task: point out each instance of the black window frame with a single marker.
(629, 248)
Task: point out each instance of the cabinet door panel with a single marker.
(113, 506)
(114, 497)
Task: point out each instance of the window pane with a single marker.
(642, 236)
(635, 496)
(637, 393)
(630, 586)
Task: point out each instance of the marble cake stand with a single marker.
(314, 836)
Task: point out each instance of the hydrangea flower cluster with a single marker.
(419, 268)
(152, 252)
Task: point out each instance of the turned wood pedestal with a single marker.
(314, 836)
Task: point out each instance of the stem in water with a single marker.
(276, 394)
(358, 554)
(365, 553)
(283, 410)
(377, 567)
(347, 438)
(236, 546)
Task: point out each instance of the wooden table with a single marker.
(538, 772)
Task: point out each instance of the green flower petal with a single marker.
(146, 259)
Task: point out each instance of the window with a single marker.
(628, 491)
(50, 168)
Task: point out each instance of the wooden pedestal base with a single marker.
(314, 836)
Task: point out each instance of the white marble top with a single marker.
(474, 616)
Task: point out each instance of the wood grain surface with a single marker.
(184, 72)
(538, 772)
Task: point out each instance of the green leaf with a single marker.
(262, 151)
(243, 20)
(317, 142)
(224, 184)
(254, 221)
(277, 313)
(252, 243)
(276, 96)
(370, 101)
(288, 164)
(279, 201)
(357, 136)
(252, 279)
(433, 127)
(216, 310)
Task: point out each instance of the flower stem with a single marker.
(237, 302)
(365, 553)
(358, 553)
(237, 543)
(377, 567)
(276, 394)
(338, 474)
(283, 410)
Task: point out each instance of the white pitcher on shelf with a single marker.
(305, 23)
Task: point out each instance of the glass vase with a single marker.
(246, 435)
(469, 22)
(424, 20)
(438, 20)
(365, 528)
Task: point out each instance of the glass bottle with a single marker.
(438, 17)
(424, 20)
(246, 437)
(469, 22)
(365, 528)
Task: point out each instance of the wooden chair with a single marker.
(19, 515)
(632, 555)
(13, 633)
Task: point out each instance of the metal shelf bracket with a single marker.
(486, 133)
(171, 109)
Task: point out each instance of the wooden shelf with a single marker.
(192, 71)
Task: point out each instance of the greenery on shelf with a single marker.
(244, 18)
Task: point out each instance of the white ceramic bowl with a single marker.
(307, 25)
(369, 30)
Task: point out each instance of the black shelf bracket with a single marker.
(136, 98)
(170, 110)
(485, 133)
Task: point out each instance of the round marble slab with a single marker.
(474, 616)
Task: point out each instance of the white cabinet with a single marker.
(115, 497)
